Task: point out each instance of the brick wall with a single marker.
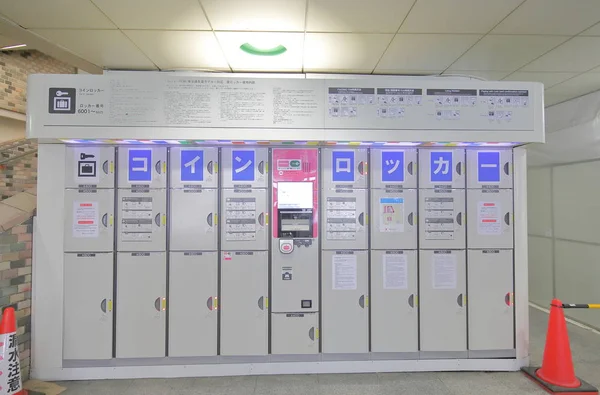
(15, 66)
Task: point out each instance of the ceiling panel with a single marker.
(180, 49)
(291, 60)
(486, 75)
(550, 99)
(563, 17)
(155, 14)
(424, 52)
(344, 52)
(506, 53)
(548, 79)
(105, 48)
(576, 55)
(592, 31)
(456, 16)
(7, 41)
(577, 86)
(257, 15)
(59, 14)
(356, 16)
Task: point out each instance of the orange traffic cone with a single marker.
(10, 368)
(557, 374)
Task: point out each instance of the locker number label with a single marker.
(488, 166)
(343, 166)
(243, 164)
(392, 166)
(440, 166)
(192, 165)
(140, 165)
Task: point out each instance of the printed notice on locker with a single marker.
(444, 271)
(344, 272)
(136, 219)
(85, 219)
(240, 219)
(341, 218)
(391, 214)
(488, 218)
(395, 271)
(439, 218)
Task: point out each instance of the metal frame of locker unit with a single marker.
(223, 366)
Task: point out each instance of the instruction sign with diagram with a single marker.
(341, 218)
(136, 219)
(240, 219)
(439, 218)
(391, 214)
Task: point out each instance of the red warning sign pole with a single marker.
(10, 367)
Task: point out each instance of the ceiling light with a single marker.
(13, 47)
(273, 51)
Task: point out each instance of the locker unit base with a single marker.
(124, 369)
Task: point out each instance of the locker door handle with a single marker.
(410, 219)
(105, 167)
(209, 303)
(105, 220)
(459, 168)
(157, 167)
(459, 300)
(261, 219)
(506, 168)
(157, 219)
(508, 299)
(209, 167)
(209, 219)
(157, 304)
(361, 219)
(261, 167)
(311, 333)
(507, 218)
(261, 303)
(362, 167)
(459, 219)
(411, 301)
(409, 168)
(361, 301)
(103, 306)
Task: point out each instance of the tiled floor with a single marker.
(586, 354)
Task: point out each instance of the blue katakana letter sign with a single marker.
(140, 165)
(242, 168)
(440, 166)
(488, 166)
(192, 165)
(392, 166)
(342, 163)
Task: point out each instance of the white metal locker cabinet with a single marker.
(87, 165)
(89, 220)
(345, 305)
(393, 219)
(245, 167)
(88, 325)
(193, 166)
(441, 167)
(394, 309)
(193, 219)
(442, 300)
(294, 333)
(303, 267)
(489, 168)
(142, 220)
(141, 304)
(142, 165)
(442, 218)
(344, 166)
(244, 303)
(395, 167)
(344, 219)
(193, 304)
(491, 313)
(490, 214)
(245, 219)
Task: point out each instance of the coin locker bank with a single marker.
(194, 225)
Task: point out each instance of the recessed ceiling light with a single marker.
(273, 51)
(13, 47)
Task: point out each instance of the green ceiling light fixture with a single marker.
(252, 50)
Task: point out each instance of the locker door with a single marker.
(88, 324)
(295, 333)
(442, 298)
(393, 168)
(394, 311)
(442, 218)
(442, 168)
(344, 167)
(142, 219)
(393, 218)
(89, 220)
(345, 305)
(491, 322)
(193, 219)
(193, 304)
(244, 167)
(87, 165)
(245, 219)
(142, 165)
(490, 213)
(141, 304)
(345, 219)
(193, 166)
(489, 168)
(244, 303)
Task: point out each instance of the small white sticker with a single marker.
(395, 271)
(444, 271)
(344, 272)
(85, 219)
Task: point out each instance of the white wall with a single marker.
(564, 208)
(11, 129)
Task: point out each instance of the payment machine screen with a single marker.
(295, 195)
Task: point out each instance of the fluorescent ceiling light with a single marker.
(13, 47)
(252, 50)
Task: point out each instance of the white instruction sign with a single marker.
(136, 219)
(240, 219)
(489, 218)
(391, 214)
(85, 219)
(395, 271)
(439, 218)
(444, 271)
(341, 218)
(344, 272)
